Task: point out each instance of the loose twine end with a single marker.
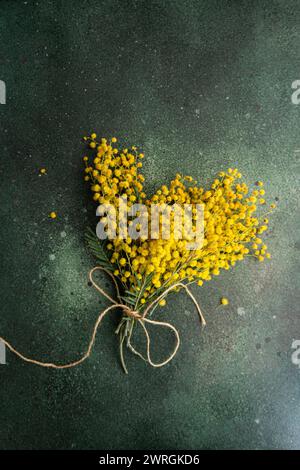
(128, 312)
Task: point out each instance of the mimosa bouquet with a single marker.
(153, 245)
(148, 260)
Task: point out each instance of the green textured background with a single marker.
(199, 86)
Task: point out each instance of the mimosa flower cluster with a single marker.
(235, 218)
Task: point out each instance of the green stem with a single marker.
(124, 330)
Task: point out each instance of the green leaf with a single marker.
(98, 249)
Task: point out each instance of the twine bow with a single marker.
(128, 313)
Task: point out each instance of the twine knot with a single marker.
(131, 313)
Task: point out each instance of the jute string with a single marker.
(140, 318)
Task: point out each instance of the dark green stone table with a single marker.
(200, 86)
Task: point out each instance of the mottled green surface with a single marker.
(200, 86)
